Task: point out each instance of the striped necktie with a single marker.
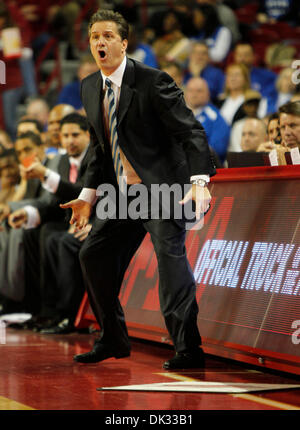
(112, 124)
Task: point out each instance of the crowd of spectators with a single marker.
(209, 48)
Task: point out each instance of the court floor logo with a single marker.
(2, 73)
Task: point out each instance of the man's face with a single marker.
(26, 148)
(200, 55)
(86, 69)
(54, 128)
(290, 130)
(196, 93)
(273, 129)
(74, 139)
(107, 47)
(243, 54)
(253, 135)
(9, 171)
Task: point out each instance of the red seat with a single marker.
(260, 53)
(264, 35)
(247, 14)
(283, 29)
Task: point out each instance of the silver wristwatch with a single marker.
(201, 182)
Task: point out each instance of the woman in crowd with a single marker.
(208, 28)
(237, 82)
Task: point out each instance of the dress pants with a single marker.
(62, 270)
(105, 257)
(34, 250)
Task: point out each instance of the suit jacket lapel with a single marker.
(126, 91)
(96, 97)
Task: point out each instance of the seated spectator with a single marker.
(172, 44)
(60, 278)
(38, 108)
(261, 79)
(226, 16)
(9, 175)
(209, 29)
(289, 120)
(198, 99)
(236, 84)
(12, 92)
(285, 90)
(198, 65)
(254, 133)
(140, 51)
(70, 94)
(28, 146)
(249, 109)
(272, 11)
(274, 139)
(52, 137)
(175, 71)
(29, 124)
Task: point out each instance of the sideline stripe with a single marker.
(250, 397)
(11, 405)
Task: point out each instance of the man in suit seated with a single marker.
(253, 134)
(60, 284)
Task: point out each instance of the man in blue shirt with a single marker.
(70, 94)
(198, 99)
(199, 65)
(262, 79)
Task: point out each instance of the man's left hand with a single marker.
(201, 196)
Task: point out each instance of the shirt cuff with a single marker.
(52, 182)
(206, 178)
(88, 195)
(33, 217)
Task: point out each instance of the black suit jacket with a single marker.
(158, 134)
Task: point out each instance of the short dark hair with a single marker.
(273, 116)
(75, 118)
(35, 138)
(109, 15)
(35, 121)
(291, 108)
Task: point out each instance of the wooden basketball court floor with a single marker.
(37, 372)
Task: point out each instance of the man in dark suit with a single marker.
(141, 131)
(48, 221)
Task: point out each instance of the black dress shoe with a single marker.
(64, 327)
(99, 353)
(186, 360)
